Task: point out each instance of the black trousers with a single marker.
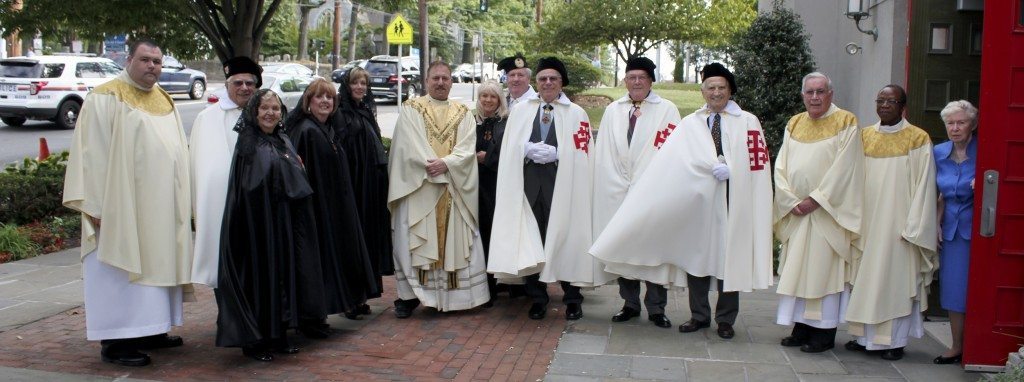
(538, 291)
(655, 299)
(726, 310)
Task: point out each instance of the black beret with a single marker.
(509, 64)
(715, 69)
(641, 63)
(556, 64)
(243, 64)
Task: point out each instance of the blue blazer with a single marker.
(954, 183)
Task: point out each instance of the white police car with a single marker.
(49, 87)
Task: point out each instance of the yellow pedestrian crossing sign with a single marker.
(399, 31)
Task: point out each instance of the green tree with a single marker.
(282, 35)
(770, 61)
(233, 27)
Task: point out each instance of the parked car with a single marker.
(49, 87)
(287, 68)
(384, 77)
(288, 87)
(462, 73)
(485, 71)
(337, 73)
(176, 78)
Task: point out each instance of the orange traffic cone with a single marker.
(44, 150)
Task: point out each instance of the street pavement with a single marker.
(42, 337)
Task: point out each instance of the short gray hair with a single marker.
(494, 88)
(803, 84)
(529, 72)
(961, 105)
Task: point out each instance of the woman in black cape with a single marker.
(269, 275)
(491, 113)
(347, 270)
(356, 125)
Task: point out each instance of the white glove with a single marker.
(529, 149)
(720, 171)
(545, 153)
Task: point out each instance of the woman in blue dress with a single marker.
(954, 163)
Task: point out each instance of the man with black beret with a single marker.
(629, 139)
(543, 201)
(517, 79)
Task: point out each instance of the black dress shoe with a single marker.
(159, 341)
(693, 326)
(363, 309)
(573, 311)
(660, 320)
(793, 341)
(125, 357)
(625, 314)
(725, 330)
(811, 347)
(404, 308)
(287, 350)
(537, 311)
(854, 346)
(893, 354)
(258, 354)
(940, 360)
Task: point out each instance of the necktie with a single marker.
(716, 133)
(545, 121)
(633, 115)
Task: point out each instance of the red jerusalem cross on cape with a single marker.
(582, 137)
(662, 135)
(757, 149)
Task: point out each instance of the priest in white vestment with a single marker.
(632, 130)
(543, 203)
(819, 182)
(438, 251)
(895, 257)
(212, 145)
(128, 175)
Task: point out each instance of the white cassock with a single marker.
(450, 274)
(128, 166)
(516, 248)
(619, 164)
(895, 257)
(212, 145)
(675, 217)
(821, 158)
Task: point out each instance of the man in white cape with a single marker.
(895, 257)
(629, 130)
(697, 215)
(128, 175)
(819, 186)
(543, 202)
(433, 200)
(212, 146)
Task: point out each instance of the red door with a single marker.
(995, 300)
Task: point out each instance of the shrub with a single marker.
(771, 60)
(14, 245)
(33, 190)
(582, 74)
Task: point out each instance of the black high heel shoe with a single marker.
(257, 353)
(940, 360)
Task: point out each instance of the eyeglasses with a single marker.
(881, 102)
(958, 123)
(239, 83)
(549, 79)
(813, 92)
(637, 78)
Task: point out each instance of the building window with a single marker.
(973, 91)
(936, 94)
(976, 39)
(941, 41)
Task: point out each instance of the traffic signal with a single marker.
(483, 5)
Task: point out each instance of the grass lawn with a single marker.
(686, 97)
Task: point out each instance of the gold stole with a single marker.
(442, 120)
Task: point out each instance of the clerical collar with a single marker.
(731, 108)
(831, 109)
(126, 78)
(892, 129)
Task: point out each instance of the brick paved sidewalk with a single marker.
(499, 343)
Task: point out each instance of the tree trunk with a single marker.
(467, 46)
(353, 20)
(336, 50)
(304, 32)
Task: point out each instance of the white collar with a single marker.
(651, 97)
(732, 108)
(526, 95)
(126, 78)
(562, 99)
(892, 129)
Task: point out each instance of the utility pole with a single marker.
(353, 19)
(424, 46)
(336, 50)
(539, 10)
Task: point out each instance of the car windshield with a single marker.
(381, 68)
(268, 81)
(29, 69)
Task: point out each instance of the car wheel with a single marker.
(67, 114)
(412, 92)
(13, 121)
(197, 89)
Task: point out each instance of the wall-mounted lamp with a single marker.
(853, 48)
(858, 10)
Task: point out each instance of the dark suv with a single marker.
(384, 78)
(176, 78)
